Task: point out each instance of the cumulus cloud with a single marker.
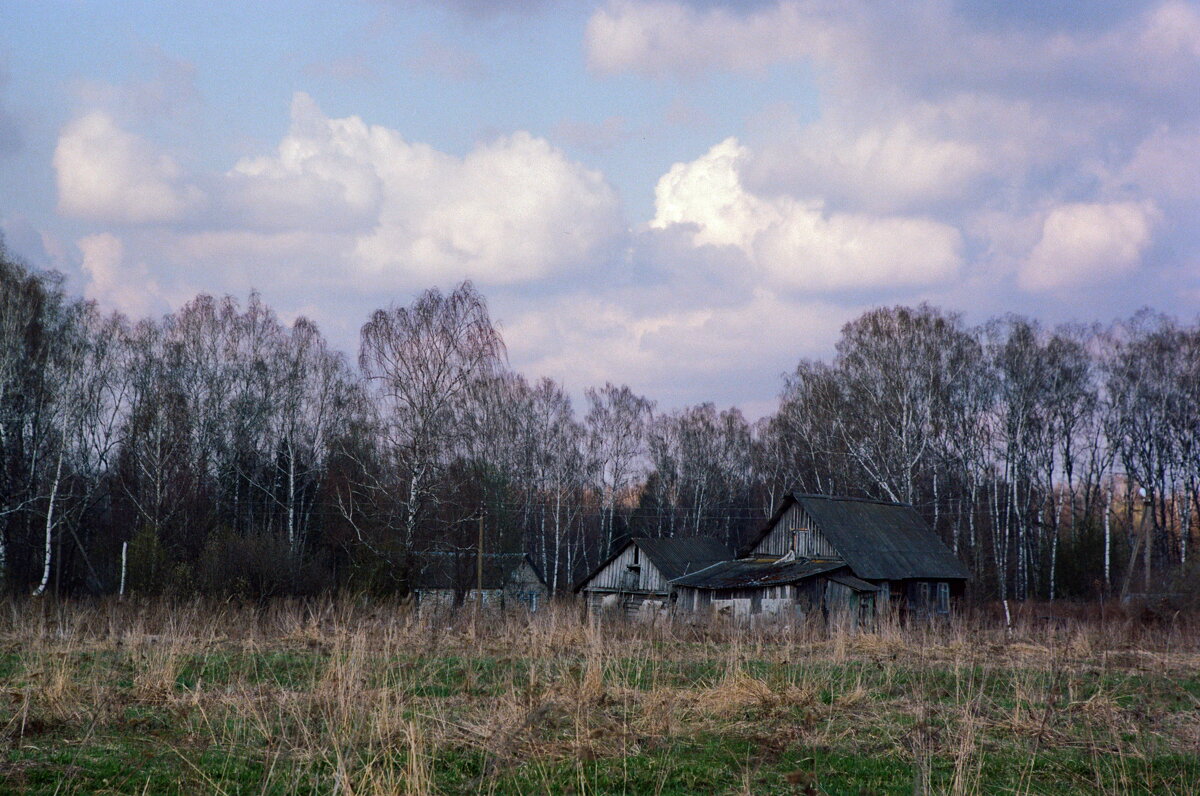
(512, 210)
(1085, 244)
(358, 197)
(113, 281)
(918, 156)
(107, 174)
(797, 243)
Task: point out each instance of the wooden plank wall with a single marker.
(613, 577)
(780, 540)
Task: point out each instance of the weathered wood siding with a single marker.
(817, 597)
(795, 530)
(631, 571)
(623, 603)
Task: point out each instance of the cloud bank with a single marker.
(981, 155)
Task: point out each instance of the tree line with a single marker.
(218, 450)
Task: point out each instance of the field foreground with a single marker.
(361, 698)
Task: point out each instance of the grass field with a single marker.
(356, 697)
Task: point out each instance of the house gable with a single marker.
(630, 570)
(793, 530)
(646, 565)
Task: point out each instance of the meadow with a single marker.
(360, 696)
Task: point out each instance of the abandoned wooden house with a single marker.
(443, 580)
(886, 556)
(639, 572)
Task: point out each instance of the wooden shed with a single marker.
(641, 570)
(787, 589)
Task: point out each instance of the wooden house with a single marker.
(445, 580)
(641, 570)
(888, 545)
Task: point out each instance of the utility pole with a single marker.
(1147, 529)
(1142, 541)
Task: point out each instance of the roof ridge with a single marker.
(848, 499)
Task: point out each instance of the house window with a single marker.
(800, 540)
(943, 598)
(637, 559)
(923, 591)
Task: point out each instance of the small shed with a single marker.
(641, 570)
(789, 588)
(450, 579)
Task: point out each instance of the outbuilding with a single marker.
(787, 588)
(640, 571)
(445, 580)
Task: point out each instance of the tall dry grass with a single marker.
(362, 696)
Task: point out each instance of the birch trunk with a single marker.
(41, 589)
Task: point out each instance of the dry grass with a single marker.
(365, 697)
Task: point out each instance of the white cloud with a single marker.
(512, 210)
(1166, 163)
(796, 243)
(674, 352)
(1084, 244)
(113, 281)
(107, 174)
(920, 155)
(930, 44)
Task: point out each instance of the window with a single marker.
(637, 558)
(800, 540)
(923, 591)
(943, 598)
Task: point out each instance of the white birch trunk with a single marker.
(41, 589)
(291, 504)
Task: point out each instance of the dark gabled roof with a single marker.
(879, 540)
(457, 570)
(673, 556)
(750, 573)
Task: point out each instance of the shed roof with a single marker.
(456, 570)
(879, 540)
(673, 556)
(751, 573)
(846, 579)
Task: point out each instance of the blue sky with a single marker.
(684, 196)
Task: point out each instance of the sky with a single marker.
(685, 197)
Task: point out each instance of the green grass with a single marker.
(360, 705)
